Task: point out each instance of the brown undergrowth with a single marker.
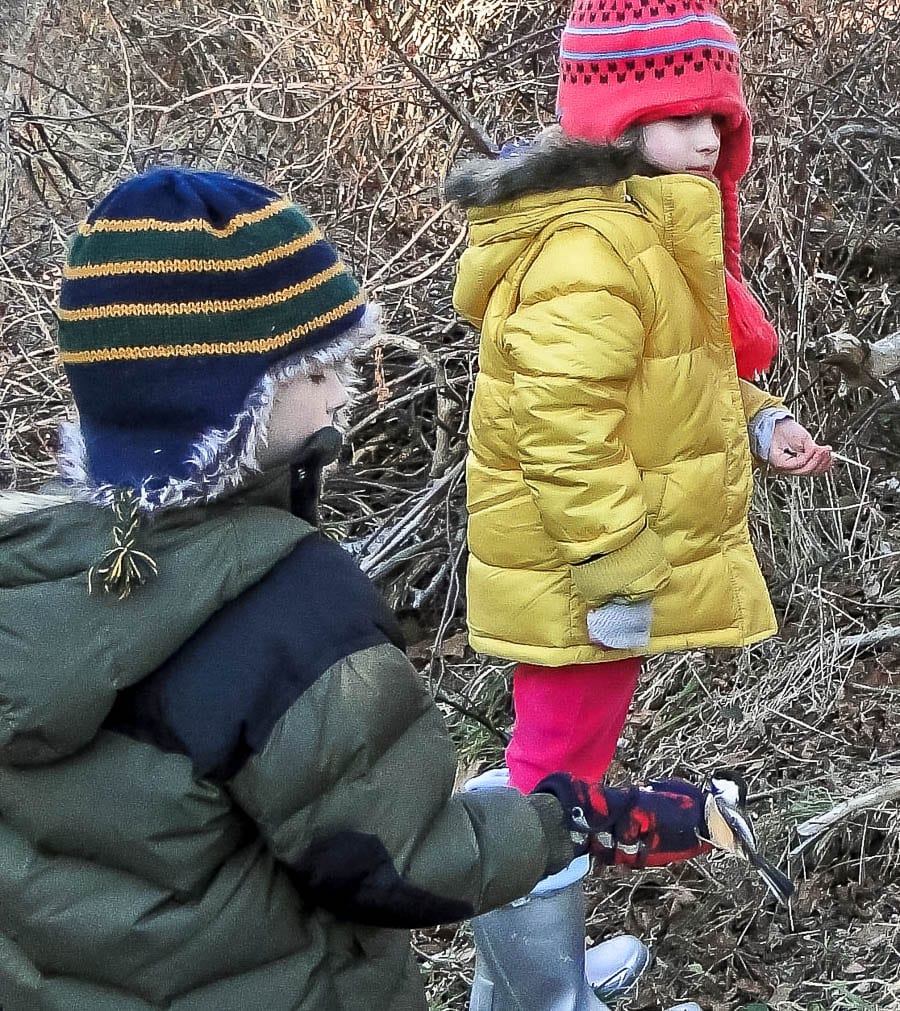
(346, 107)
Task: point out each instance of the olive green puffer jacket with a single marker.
(229, 791)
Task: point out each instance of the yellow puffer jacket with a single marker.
(608, 440)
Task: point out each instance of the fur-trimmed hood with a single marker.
(511, 201)
(550, 162)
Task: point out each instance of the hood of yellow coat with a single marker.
(509, 201)
(499, 235)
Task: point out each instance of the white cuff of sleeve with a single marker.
(762, 428)
(571, 873)
(493, 779)
(621, 624)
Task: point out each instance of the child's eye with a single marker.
(317, 379)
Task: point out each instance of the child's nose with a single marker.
(707, 137)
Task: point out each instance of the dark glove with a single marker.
(660, 823)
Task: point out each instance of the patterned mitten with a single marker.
(660, 823)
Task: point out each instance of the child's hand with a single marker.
(661, 823)
(795, 452)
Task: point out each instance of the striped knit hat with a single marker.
(624, 63)
(181, 290)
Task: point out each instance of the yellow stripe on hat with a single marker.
(191, 225)
(120, 309)
(185, 266)
(258, 346)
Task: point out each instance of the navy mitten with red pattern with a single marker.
(648, 826)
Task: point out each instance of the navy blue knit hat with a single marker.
(181, 289)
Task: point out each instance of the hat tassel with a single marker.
(123, 567)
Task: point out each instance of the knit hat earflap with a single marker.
(624, 63)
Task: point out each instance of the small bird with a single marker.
(730, 829)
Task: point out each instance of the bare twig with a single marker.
(883, 634)
(474, 132)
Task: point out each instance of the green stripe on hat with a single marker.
(227, 326)
(118, 247)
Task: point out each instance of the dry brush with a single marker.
(358, 110)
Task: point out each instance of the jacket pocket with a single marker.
(653, 488)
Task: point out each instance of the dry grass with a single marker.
(319, 100)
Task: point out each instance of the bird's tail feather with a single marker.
(778, 883)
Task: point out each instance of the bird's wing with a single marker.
(744, 842)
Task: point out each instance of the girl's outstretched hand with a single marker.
(794, 451)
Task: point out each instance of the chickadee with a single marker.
(730, 829)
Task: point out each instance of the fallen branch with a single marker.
(385, 542)
(865, 364)
(875, 636)
(812, 828)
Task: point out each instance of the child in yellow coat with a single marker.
(614, 422)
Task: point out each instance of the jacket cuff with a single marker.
(755, 400)
(560, 849)
(761, 430)
(633, 572)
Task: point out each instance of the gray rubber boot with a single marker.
(529, 955)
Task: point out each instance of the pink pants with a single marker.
(568, 719)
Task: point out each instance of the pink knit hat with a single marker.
(628, 62)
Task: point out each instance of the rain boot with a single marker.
(529, 955)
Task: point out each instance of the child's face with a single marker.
(682, 144)
(301, 408)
